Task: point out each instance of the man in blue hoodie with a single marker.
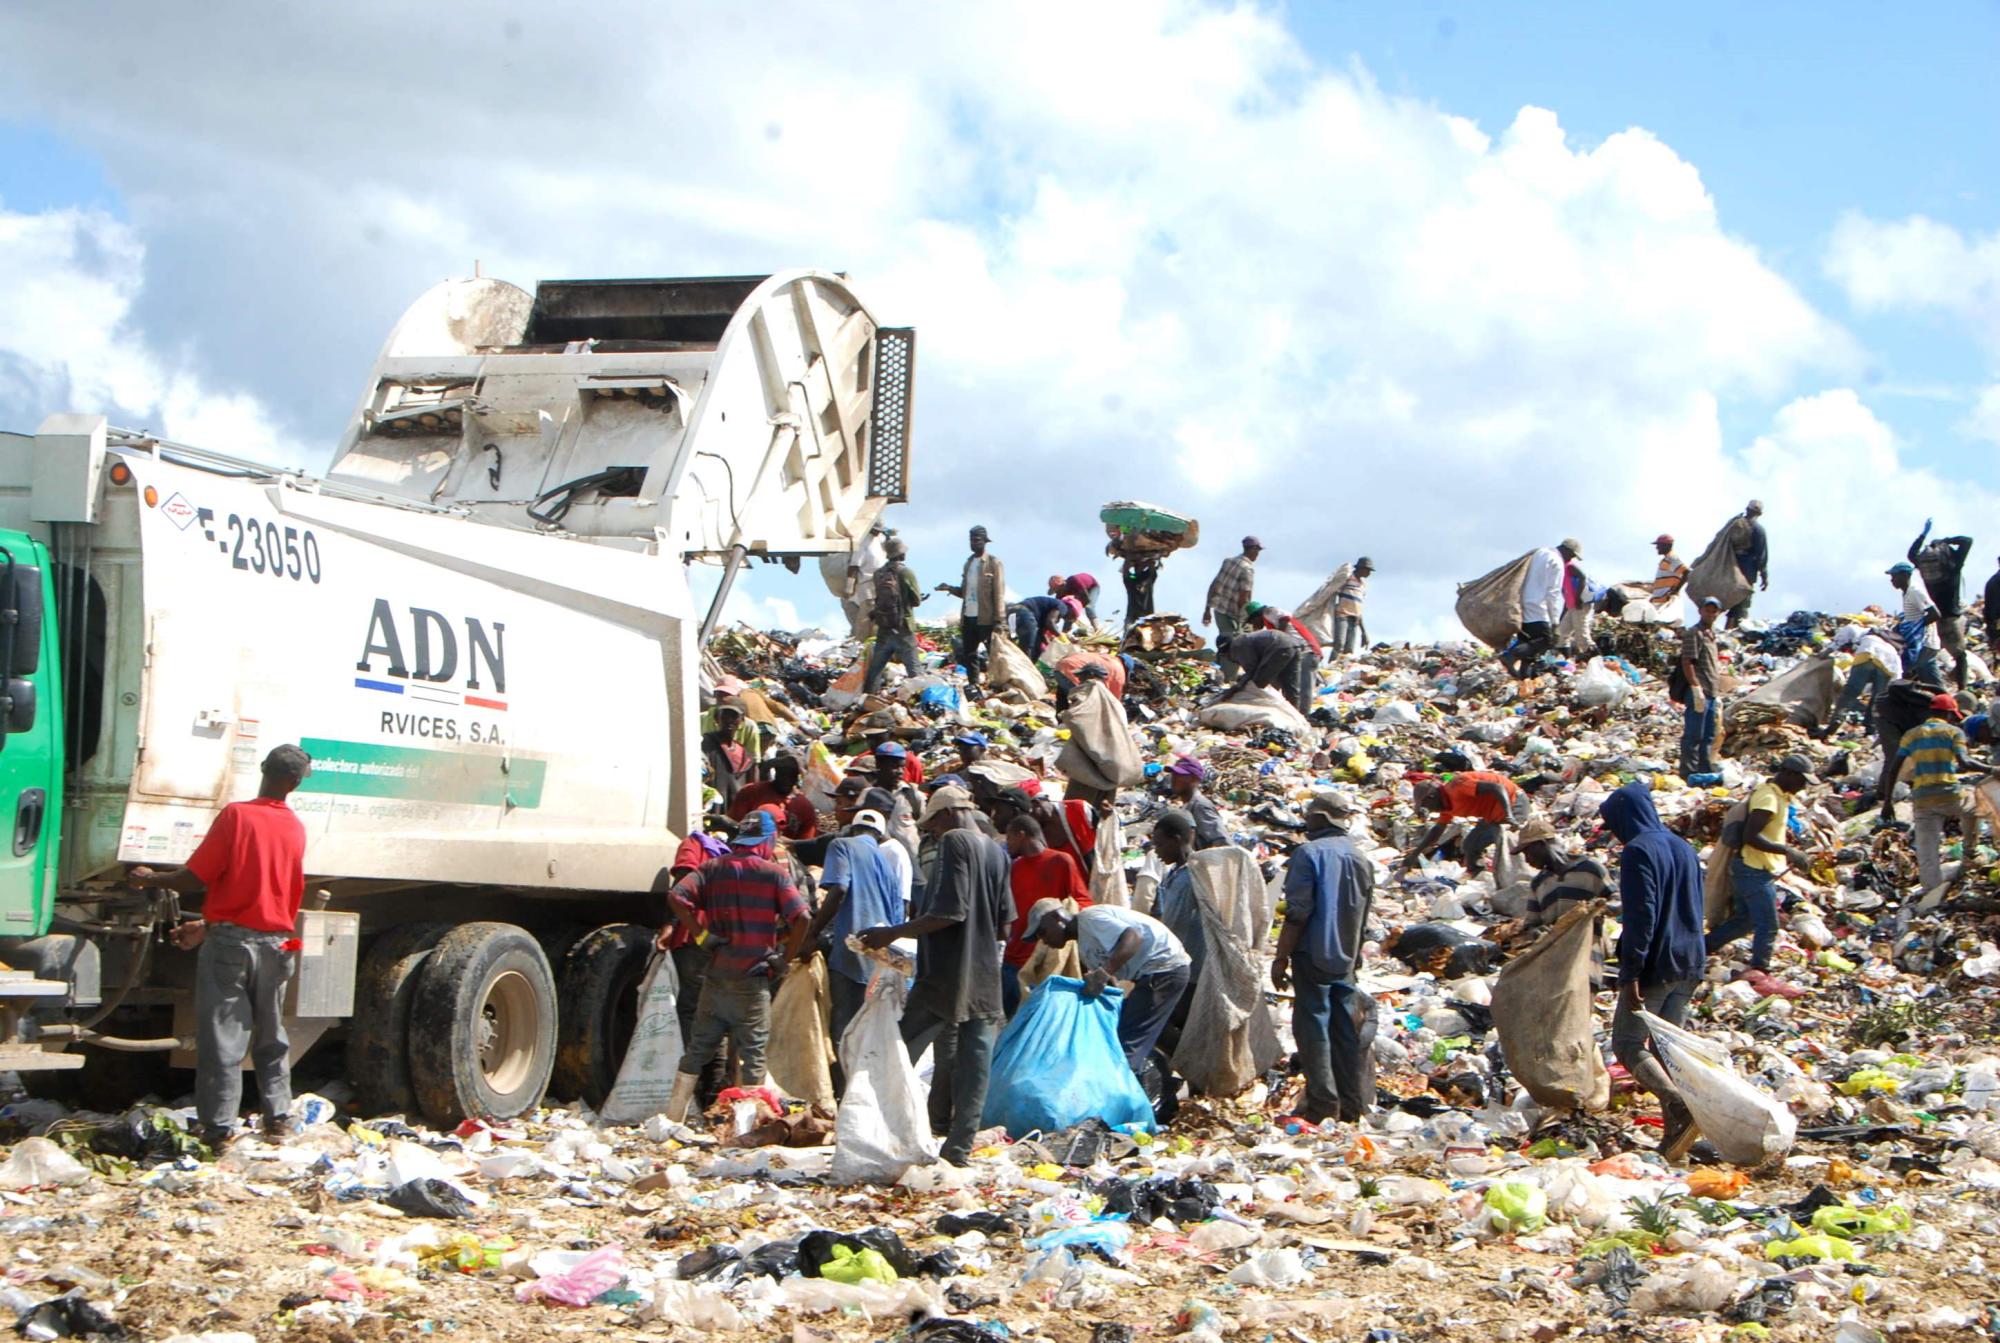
(1660, 951)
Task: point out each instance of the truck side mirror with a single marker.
(18, 702)
(21, 607)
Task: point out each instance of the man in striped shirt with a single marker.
(1229, 597)
(746, 908)
(1931, 757)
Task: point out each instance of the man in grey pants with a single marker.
(249, 873)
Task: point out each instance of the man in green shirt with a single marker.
(893, 605)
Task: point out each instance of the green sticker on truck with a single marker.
(369, 769)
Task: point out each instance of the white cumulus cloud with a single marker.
(1170, 256)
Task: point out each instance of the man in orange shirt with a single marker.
(1038, 873)
(250, 874)
(1487, 799)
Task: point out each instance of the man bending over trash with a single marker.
(1487, 799)
(1660, 953)
(1118, 943)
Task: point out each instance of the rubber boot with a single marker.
(677, 1104)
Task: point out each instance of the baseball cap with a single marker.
(1189, 766)
(948, 798)
(1038, 911)
(1252, 543)
(1798, 764)
(1256, 608)
(1663, 540)
(970, 739)
(892, 750)
(852, 786)
(1573, 546)
(871, 820)
(1946, 705)
(1716, 602)
(1902, 567)
(1364, 563)
(757, 828)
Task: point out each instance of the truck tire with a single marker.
(597, 991)
(378, 1060)
(483, 1025)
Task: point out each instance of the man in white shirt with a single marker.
(1918, 627)
(1876, 662)
(1116, 943)
(1541, 606)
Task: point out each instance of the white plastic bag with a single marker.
(883, 1126)
(1253, 707)
(1599, 685)
(646, 1076)
(1746, 1124)
(37, 1161)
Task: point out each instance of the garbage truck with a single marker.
(480, 624)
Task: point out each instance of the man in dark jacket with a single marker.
(1329, 888)
(1660, 952)
(1942, 563)
(1752, 549)
(1992, 613)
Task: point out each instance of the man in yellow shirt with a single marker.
(1764, 857)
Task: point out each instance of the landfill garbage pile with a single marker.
(1847, 1186)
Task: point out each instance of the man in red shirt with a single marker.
(745, 907)
(249, 872)
(1487, 799)
(799, 821)
(1039, 872)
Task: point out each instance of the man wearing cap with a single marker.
(1931, 757)
(895, 595)
(859, 889)
(1918, 626)
(797, 818)
(1941, 564)
(1229, 595)
(1038, 873)
(1701, 669)
(1121, 944)
(249, 872)
(1541, 607)
(731, 745)
(1348, 626)
(963, 911)
(1671, 576)
(1329, 886)
(1038, 620)
(1184, 779)
(971, 748)
(1753, 876)
(1874, 663)
(1487, 799)
(983, 590)
(1560, 880)
(745, 907)
(1579, 605)
(1752, 550)
(904, 803)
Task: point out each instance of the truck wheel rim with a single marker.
(507, 1031)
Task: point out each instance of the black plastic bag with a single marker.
(1148, 1200)
(816, 1251)
(987, 1223)
(1442, 950)
(707, 1262)
(69, 1316)
(429, 1197)
(942, 1329)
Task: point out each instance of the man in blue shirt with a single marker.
(1660, 950)
(859, 889)
(1329, 886)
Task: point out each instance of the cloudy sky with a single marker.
(1433, 282)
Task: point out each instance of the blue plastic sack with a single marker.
(1058, 1063)
(940, 699)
